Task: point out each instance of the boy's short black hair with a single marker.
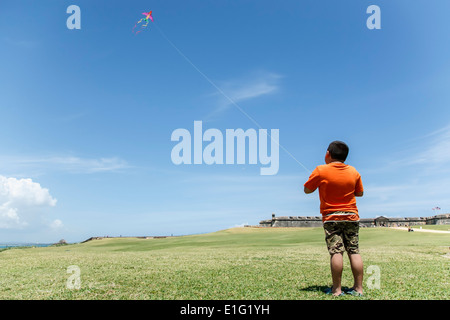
(338, 150)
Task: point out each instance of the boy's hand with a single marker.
(307, 190)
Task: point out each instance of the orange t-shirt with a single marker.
(337, 183)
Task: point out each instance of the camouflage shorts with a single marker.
(342, 235)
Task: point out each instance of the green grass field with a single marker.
(240, 263)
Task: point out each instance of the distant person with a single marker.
(338, 185)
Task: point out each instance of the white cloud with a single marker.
(250, 87)
(69, 164)
(56, 224)
(9, 217)
(413, 182)
(403, 199)
(21, 200)
(437, 151)
(21, 43)
(80, 165)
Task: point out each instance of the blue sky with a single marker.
(87, 115)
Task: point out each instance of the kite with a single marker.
(147, 18)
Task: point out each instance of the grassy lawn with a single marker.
(240, 263)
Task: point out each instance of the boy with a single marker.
(338, 185)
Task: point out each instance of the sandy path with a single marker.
(421, 230)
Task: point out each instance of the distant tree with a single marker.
(61, 242)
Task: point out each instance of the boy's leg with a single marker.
(337, 264)
(335, 245)
(351, 240)
(357, 270)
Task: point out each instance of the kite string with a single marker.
(224, 94)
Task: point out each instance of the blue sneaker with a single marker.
(330, 291)
(353, 292)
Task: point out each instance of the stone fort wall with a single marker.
(292, 221)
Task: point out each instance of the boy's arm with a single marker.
(359, 189)
(313, 182)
